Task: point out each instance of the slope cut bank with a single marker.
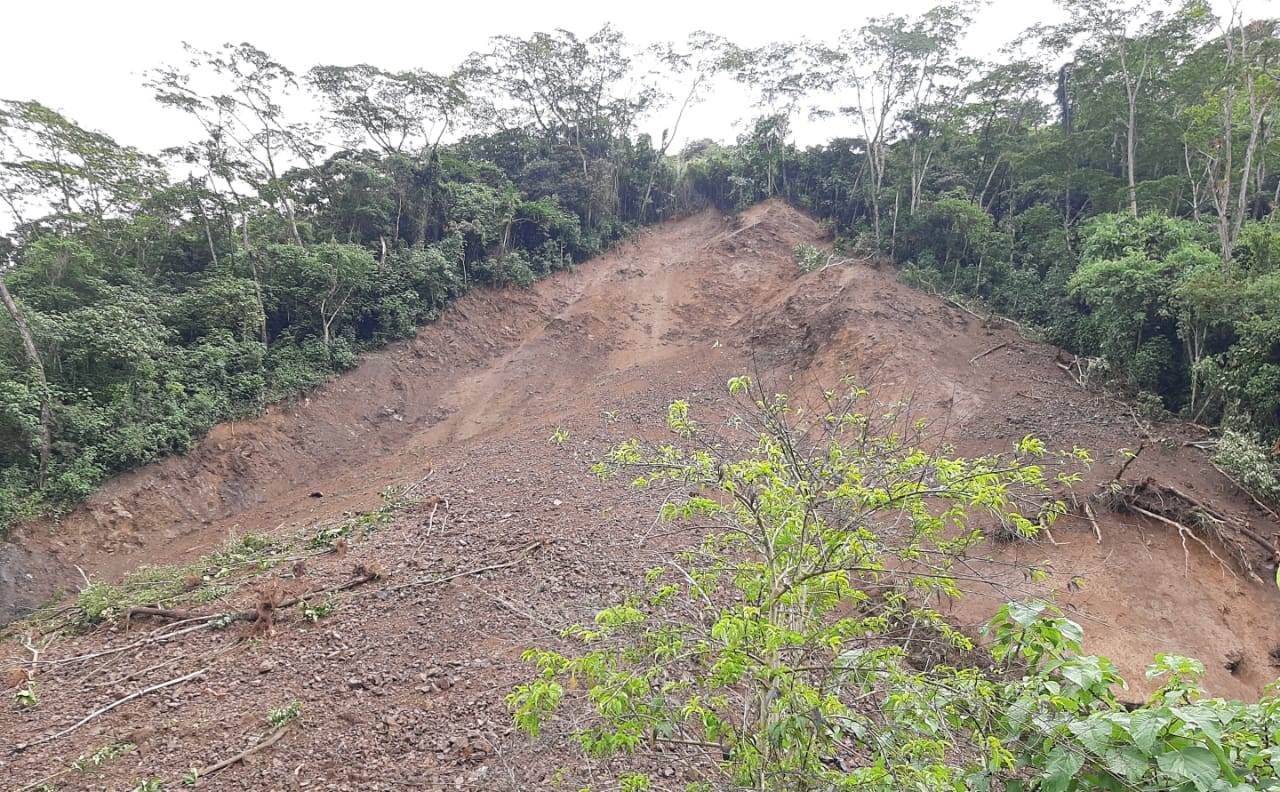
(471, 400)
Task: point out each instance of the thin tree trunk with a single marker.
(1131, 150)
(893, 238)
(208, 234)
(33, 357)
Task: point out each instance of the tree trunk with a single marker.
(208, 234)
(893, 238)
(251, 257)
(33, 357)
(293, 220)
(1131, 152)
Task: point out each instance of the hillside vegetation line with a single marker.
(1110, 184)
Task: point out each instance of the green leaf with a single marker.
(1025, 613)
(1060, 770)
(1083, 673)
(1193, 763)
(1145, 726)
(1202, 718)
(1128, 763)
(1093, 734)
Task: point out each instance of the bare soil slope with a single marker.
(403, 686)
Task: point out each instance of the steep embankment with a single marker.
(404, 683)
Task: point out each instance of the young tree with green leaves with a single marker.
(781, 652)
(799, 644)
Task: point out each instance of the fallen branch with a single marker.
(250, 614)
(721, 239)
(1075, 370)
(1093, 520)
(131, 675)
(261, 745)
(957, 304)
(1242, 488)
(525, 551)
(150, 639)
(409, 490)
(980, 356)
(505, 603)
(835, 262)
(105, 709)
(431, 525)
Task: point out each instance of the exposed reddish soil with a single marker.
(403, 686)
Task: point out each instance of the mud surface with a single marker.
(403, 686)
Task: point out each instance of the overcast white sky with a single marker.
(86, 58)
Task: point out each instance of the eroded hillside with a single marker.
(402, 684)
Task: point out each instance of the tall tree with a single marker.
(1235, 114)
(245, 112)
(581, 93)
(48, 160)
(1135, 48)
(37, 368)
(393, 110)
(703, 56)
(896, 68)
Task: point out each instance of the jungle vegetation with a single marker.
(1108, 182)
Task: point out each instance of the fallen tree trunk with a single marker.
(252, 614)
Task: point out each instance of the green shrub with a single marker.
(788, 636)
(810, 257)
(800, 645)
(1243, 455)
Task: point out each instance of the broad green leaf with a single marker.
(1094, 734)
(1129, 763)
(1145, 726)
(1060, 769)
(1193, 763)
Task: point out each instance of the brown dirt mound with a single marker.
(403, 685)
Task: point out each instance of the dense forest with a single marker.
(1108, 183)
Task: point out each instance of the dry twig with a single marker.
(107, 708)
(981, 355)
(1093, 520)
(261, 745)
(524, 552)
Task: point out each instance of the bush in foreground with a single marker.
(800, 646)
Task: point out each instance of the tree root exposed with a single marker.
(1194, 520)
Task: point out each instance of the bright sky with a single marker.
(86, 58)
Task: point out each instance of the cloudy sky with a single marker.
(87, 58)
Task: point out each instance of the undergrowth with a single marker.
(216, 575)
(1243, 456)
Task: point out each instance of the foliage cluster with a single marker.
(801, 645)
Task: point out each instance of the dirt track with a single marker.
(404, 687)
